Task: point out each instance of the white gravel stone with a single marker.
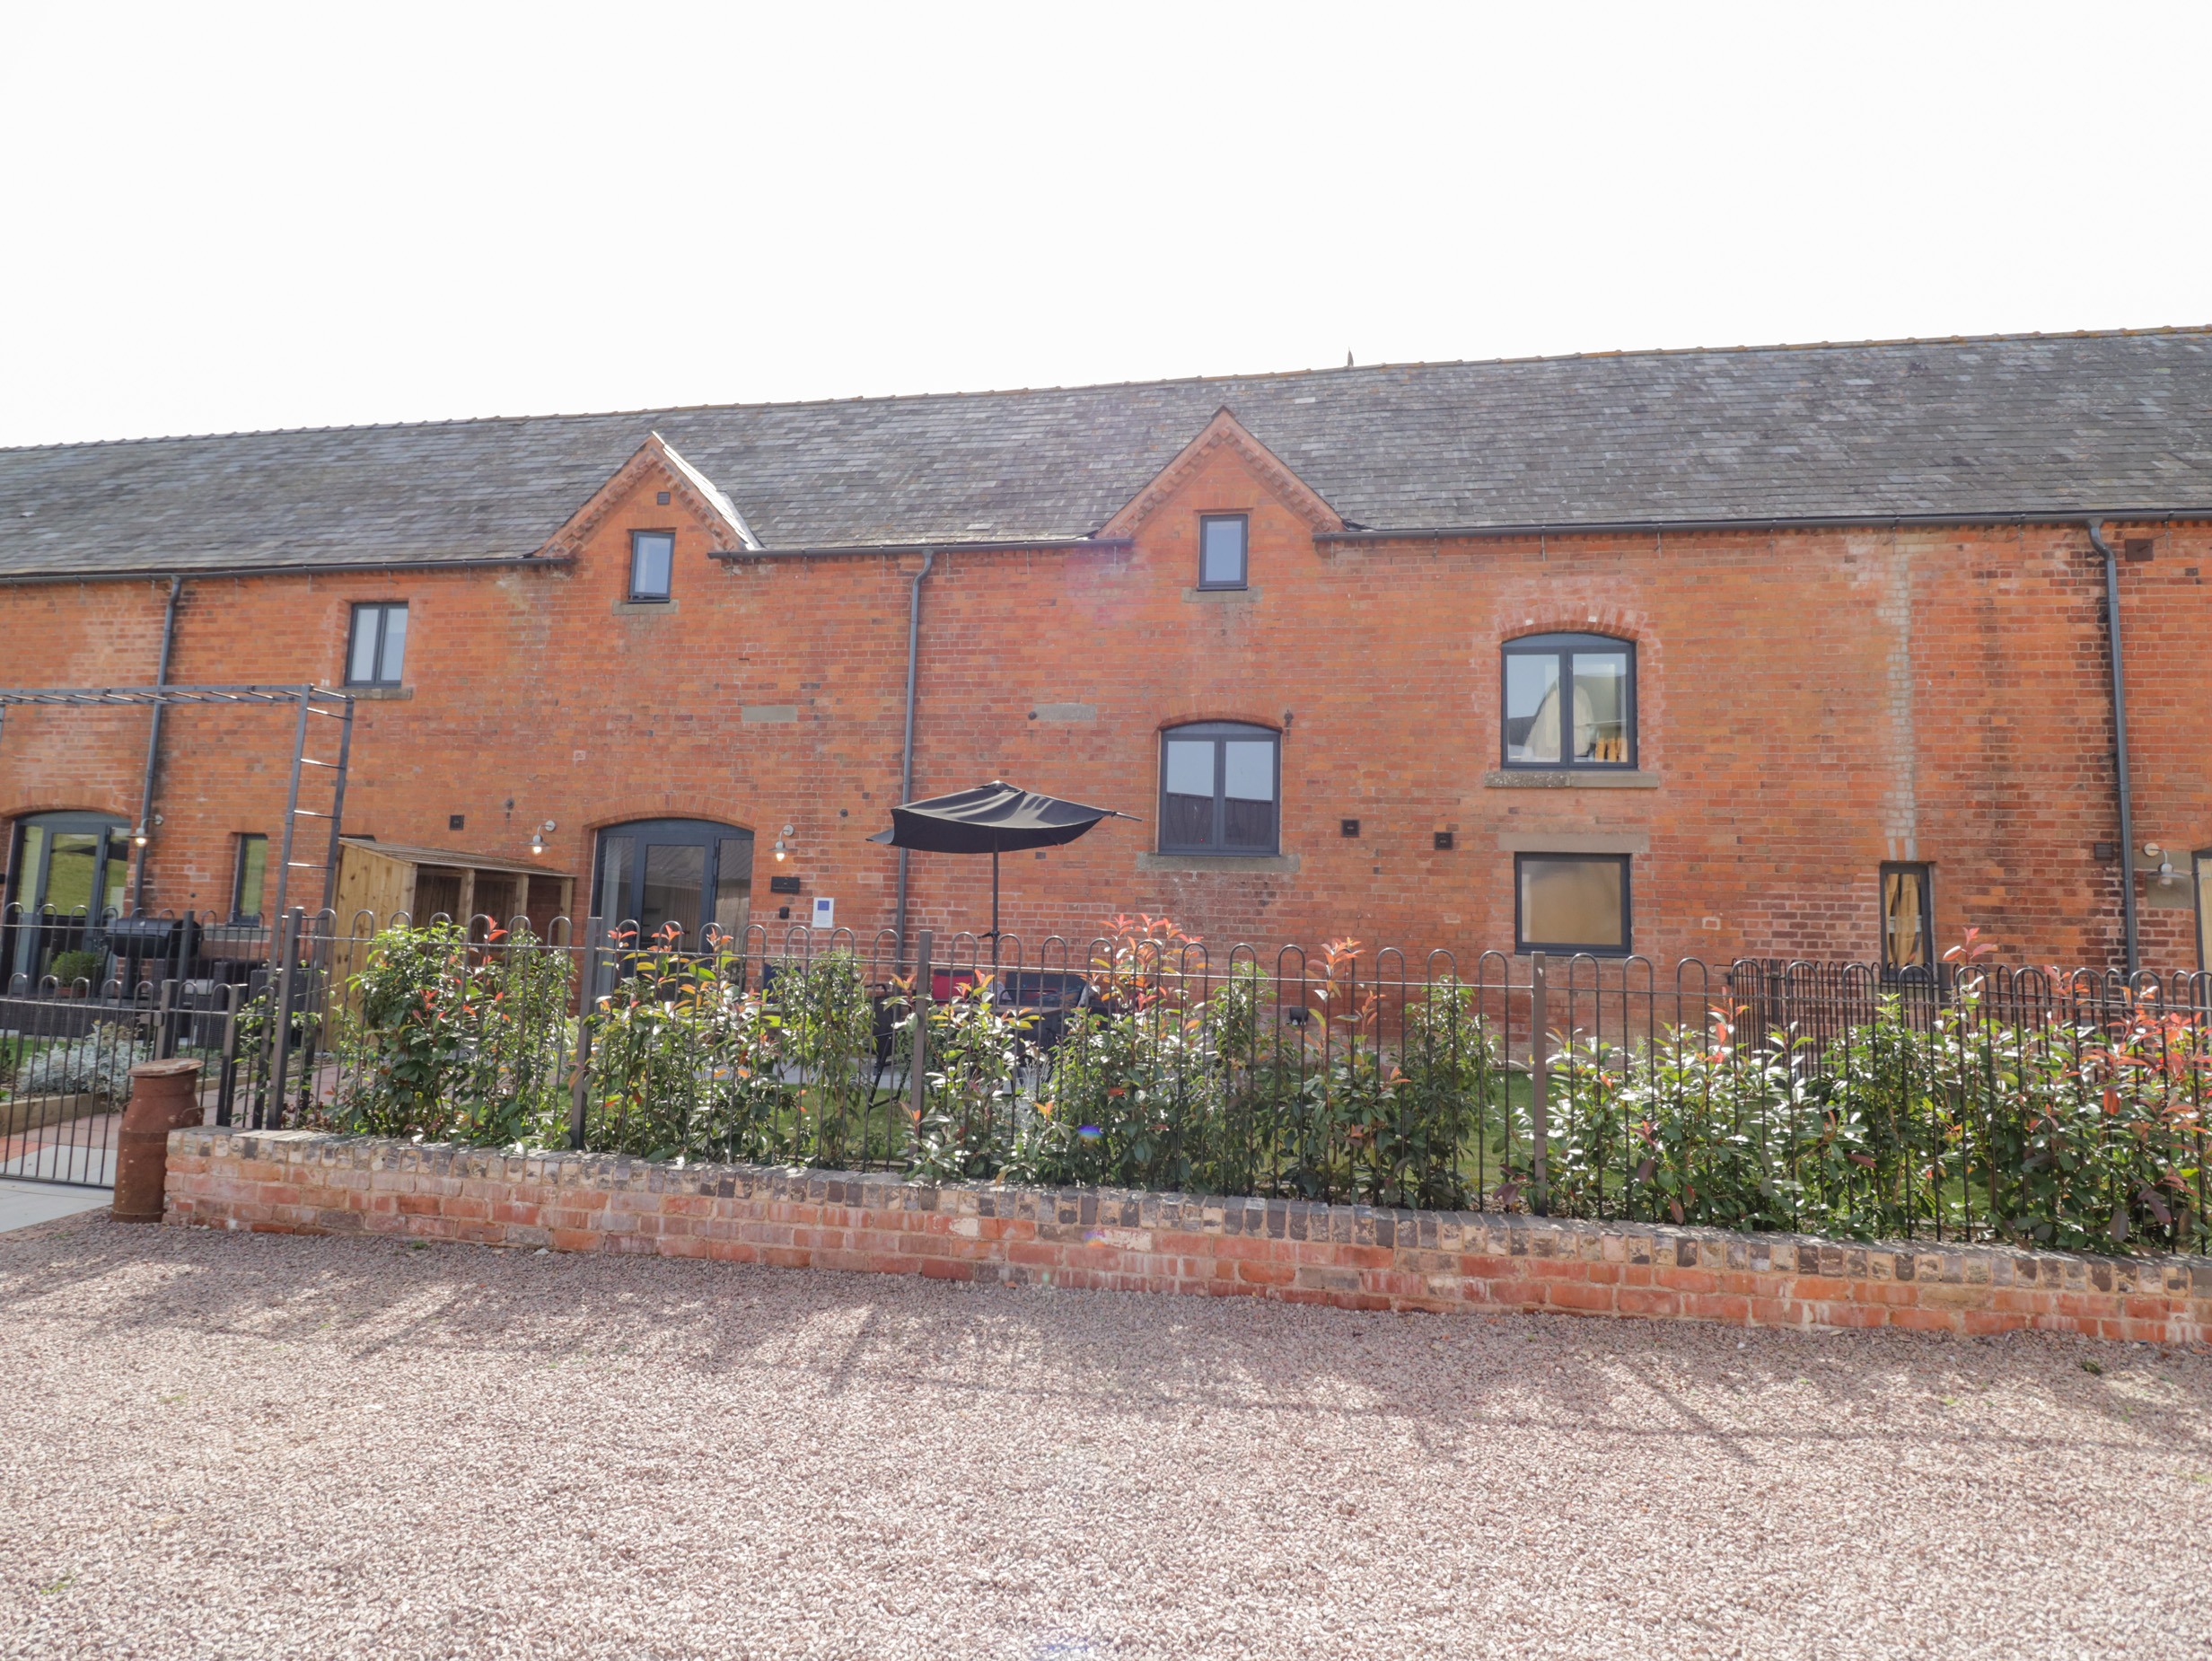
(222, 1446)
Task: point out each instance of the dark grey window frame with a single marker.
(1221, 731)
(1243, 522)
(2199, 861)
(706, 834)
(637, 597)
(1563, 648)
(382, 610)
(1926, 872)
(1522, 944)
(239, 914)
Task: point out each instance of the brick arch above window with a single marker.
(1621, 622)
(1270, 719)
(637, 804)
(114, 809)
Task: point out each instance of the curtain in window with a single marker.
(1903, 906)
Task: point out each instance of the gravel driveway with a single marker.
(217, 1444)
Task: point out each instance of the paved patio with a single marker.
(222, 1445)
(25, 1205)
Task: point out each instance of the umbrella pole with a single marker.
(993, 908)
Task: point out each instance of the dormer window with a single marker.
(652, 555)
(1223, 541)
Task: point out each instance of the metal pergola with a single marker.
(305, 700)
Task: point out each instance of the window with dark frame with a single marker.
(376, 652)
(2204, 909)
(1572, 903)
(1220, 782)
(1907, 917)
(653, 555)
(1224, 551)
(1568, 701)
(247, 887)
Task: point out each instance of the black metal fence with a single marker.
(2061, 1108)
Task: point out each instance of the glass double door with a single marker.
(66, 878)
(691, 873)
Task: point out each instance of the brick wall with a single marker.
(1811, 705)
(1350, 1256)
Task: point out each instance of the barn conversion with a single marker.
(1778, 651)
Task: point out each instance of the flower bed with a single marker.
(1975, 1108)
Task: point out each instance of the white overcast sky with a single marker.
(221, 218)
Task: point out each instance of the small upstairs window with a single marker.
(1219, 783)
(377, 654)
(652, 553)
(1569, 701)
(1223, 551)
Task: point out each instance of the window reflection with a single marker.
(1531, 708)
(1569, 701)
(1217, 789)
(675, 879)
(734, 885)
(1602, 706)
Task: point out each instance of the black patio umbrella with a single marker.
(991, 819)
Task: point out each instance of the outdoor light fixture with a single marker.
(138, 837)
(2151, 850)
(779, 843)
(537, 837)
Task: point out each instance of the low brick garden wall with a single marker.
(1356, 1257)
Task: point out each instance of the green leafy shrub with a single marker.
(2048, 1129)
(684, 1065)
(68, 968)
(453, 1041)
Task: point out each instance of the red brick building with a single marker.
(1753, 653)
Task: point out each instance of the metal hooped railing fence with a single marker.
(1965, 1100)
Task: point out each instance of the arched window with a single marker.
(1569, 700)
(1219, 784)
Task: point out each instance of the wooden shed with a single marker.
(388, 877)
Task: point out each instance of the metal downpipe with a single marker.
(154, 750)
(906, 775)
(2119, 744)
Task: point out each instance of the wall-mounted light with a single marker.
(537, 837)
(780, 851)
(138, 837)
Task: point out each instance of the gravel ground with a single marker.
(217, 1444)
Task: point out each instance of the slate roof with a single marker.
(2030, 424)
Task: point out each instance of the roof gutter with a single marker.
(2119, 744)
(1833, 521)
(1046, 544)
(906, 775)
(153, 751)
(286, 567)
